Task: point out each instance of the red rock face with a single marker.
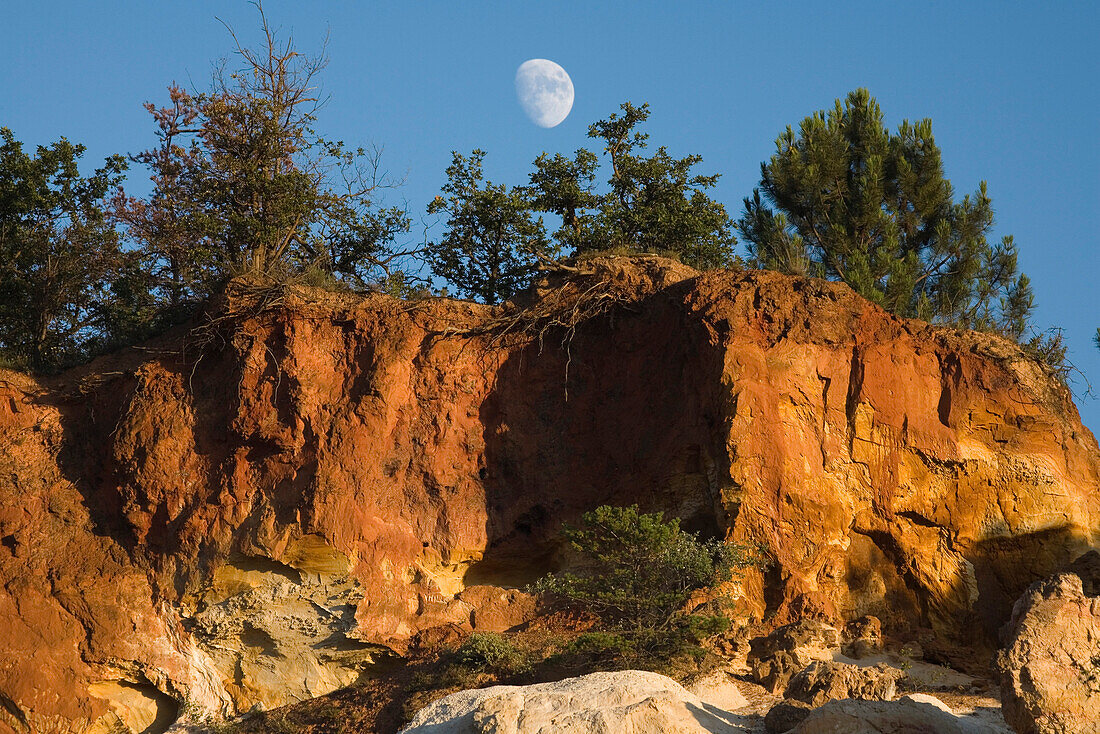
(183, 532)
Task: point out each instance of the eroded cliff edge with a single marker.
(274, 515)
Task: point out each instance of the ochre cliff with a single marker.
(278, 510)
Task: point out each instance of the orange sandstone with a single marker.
(192, 537)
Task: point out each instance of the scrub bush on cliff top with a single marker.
(653, 203)
(494, 243)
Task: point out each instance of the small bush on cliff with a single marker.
(482, 658)
(639, 572)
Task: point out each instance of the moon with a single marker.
(545, 91)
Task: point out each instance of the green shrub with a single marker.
(487, 650)
(1049, 349)
(602, 645)
(638, 574)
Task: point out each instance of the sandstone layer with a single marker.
(279, 508)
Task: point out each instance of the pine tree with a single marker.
(845, 199)
(637, 574)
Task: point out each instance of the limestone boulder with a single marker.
(628, 701)
(1050, 666)
(719, 689)
(917, 714)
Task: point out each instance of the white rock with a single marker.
(720, 690)
(631, 701)
(913, 714)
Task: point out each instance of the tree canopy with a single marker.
(492, 243)
(655, 203)
(845, 198)
(566, 187)
(651, 204)
(242, 184)
(59, 253)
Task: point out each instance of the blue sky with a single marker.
(1011, 89)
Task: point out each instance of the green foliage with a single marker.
(564, 187)
(134, 312)
(639, 572)
(492, 244)
(482, 656)
(488, 651)
(653, 203)
(1049, 349)
(856, 203)
(59, 254)
(601, 650)
(602, 644)
(242, 184)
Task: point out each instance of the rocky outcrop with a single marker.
(825, 681)
(287, 500)
(776, 658)
(864, 637)
(1050, 667)
(628, 701)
